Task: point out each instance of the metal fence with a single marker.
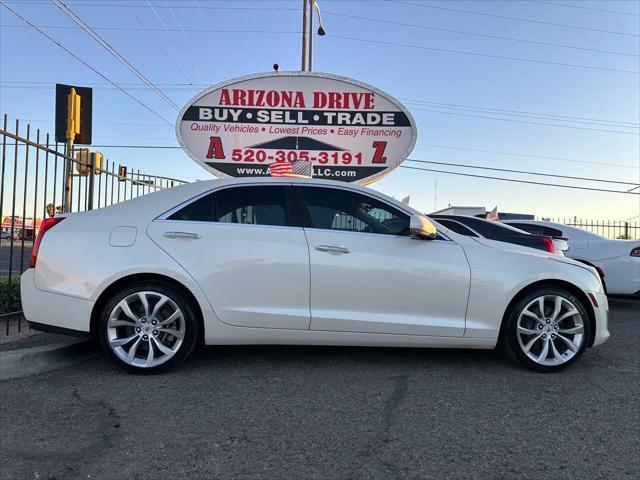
(614, 229)
(34, 176)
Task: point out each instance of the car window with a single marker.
(258, 205)
(456, 227)
(200, 210)
(486, 228)
(337, 209)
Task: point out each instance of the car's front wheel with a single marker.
(547, 330)
(148, 327)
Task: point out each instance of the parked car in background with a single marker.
(618, 261)
(5, 235)
(479, 227)
(295, 261)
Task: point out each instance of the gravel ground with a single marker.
(324, 413)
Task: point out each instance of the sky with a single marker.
(532, 85)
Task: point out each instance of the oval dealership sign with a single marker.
(338, 128)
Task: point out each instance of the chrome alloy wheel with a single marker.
(550, 330)
(145, 329)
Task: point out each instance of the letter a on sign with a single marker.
(215, 148)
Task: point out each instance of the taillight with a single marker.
(47, 224)
(548, 244)
(635, 252)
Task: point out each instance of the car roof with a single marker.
(567, 230)
(462, 218)
(156, 203)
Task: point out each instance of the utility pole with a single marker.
(310, 68)
(435, 193)
(304, 35)
(307, 33)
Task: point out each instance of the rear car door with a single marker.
(239, 244)
(369, 275)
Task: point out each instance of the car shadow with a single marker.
(346, 357)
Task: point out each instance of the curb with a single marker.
(32, 361)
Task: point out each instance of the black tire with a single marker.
(510, 340)
(190, 334)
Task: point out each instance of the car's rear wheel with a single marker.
(547, 329)
(148, 328)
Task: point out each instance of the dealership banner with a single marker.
(296, 124)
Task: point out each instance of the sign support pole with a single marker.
(74, 102)
(92, 170)
(68, 177)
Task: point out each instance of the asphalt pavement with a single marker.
(10, 258)
(325, 413)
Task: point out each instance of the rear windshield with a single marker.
(486, 228)
(537, 229)
(456, 227)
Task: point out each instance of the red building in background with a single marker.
(29, 227)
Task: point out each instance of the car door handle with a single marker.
(189, 235)
(332, 248)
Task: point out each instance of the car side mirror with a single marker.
(421, 227)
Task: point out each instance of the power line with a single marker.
(126, 124)
(137, 84)
(477, 54)
(517, 19)
(525, 122)
(564, 118)
(155, 40)
(454, 106)
(484, 35)
(559, 4)
(530, 182)
(149, 29)
(480, 167)
(52, 87)
(195, 50)
(211, 35)
(166, 28)
(525, 155)
(85, 63)
(188, 7)
(507, 170)
(355, 39)
(104, 44)
(519, 181)
(176, 147)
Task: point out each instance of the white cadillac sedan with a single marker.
(292, 261)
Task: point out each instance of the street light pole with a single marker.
(310, 68)
(312, 4)
(304, 35)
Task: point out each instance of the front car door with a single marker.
(369, 275)
(239, 244)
